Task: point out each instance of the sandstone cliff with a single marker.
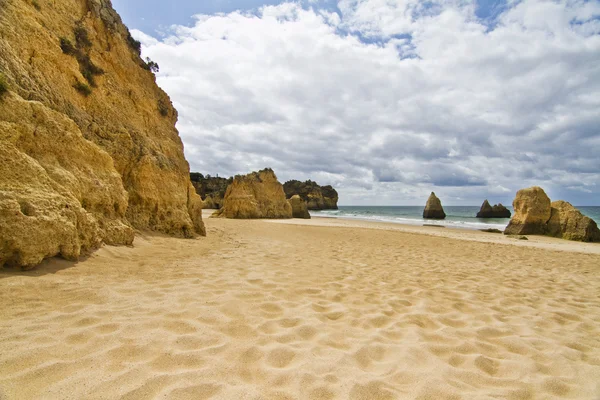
(210, 188)
(256, 195)
(433, 208)
(532, 212)
(535, 215)
(299, 208)
(88, 145)
(316, 197)
(569, 223)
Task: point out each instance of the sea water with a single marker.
(456, 216)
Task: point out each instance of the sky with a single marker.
(386, 100)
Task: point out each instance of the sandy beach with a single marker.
(319, 309)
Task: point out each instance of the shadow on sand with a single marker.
(48, 266)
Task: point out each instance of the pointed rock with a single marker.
(433, 208)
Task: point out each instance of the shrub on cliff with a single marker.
(3, 84)
(83, 88)
(151, 65)
(134, 44)
(67, 47)
(81, 37)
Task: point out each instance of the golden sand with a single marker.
(263, 310)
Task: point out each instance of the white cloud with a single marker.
(433, 98)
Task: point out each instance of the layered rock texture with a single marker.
(316, 197)
(88, 145)
(531, 212)
(433, 208)
(497, 211)
(569, 223)
(299, 208)
(256, 195)
(535, 215)
(211, 189)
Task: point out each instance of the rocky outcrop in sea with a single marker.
(316, 197)
(433, 208)
(496, 211)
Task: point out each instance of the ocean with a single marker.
(456, 216)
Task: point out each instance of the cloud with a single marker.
(389, 100)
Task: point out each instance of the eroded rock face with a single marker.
(256, 195)
(78, 170)
(532, 212)
(299, 209)
(497, 211)
(316, 197)
(433, 208)
(569, 223)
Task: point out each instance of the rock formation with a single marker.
(535, 215)
(88, 145)
(569, 223)
(256, 195)
(316, 197)
(531, 213)
(433, 208)
(497, 211)
(211, 189)
(299, 209)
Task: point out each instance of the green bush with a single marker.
(81, 37)
(134, 44)
(83, 88)
(67, 47)
(3, 84)
(151, 65)
(87, 68)
(36, 5)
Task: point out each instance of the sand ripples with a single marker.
(269, 311)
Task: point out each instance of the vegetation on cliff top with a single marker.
(209, 185)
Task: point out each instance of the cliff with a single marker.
(256, 195)
(210, 188)
(316, 197)
(88, 146)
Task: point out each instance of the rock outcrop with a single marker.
(535, 215)
(299, 208)
(256, 195)
(497, 211)
(211, 189)
(316, 197)
(433, 208)
(88, 146)
(569, 223)
(531, 212)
